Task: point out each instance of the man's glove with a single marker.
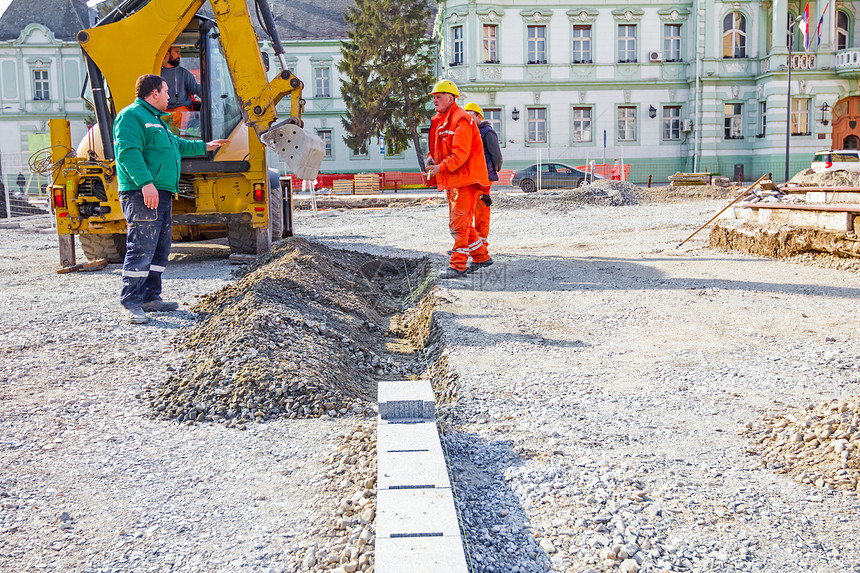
(486, 199)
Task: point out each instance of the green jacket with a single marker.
(147, 151)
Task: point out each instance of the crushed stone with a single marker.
(301, 334)
(820, 447)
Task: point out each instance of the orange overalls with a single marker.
(455, 146)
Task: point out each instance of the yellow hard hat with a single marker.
(446, 87)
(472, 106)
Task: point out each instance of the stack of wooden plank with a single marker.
(681, 179)
(343, 187)
(366, 184)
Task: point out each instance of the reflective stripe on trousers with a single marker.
(147, 247)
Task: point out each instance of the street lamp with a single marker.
(652, 112)
(825, 109)
(515, 114)
(788, 103)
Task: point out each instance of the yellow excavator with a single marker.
(231, 191)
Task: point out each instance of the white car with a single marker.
(836, 160)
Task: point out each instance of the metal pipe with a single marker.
(102, 109)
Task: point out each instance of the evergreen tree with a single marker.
(387, 66)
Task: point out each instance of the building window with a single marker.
(672, 123)
(762, 118)
(734, 120)
(581, 124)
(41, 89)
(734, 35)
(672, 43)
(325, 135)
(537, 125)
(842, 30)
(458, 46)
(582, 44)
(494, 116)
(491, 52)
(537, 44)
(627, 123)
(323, 82)
(626, 43)
(799, 116)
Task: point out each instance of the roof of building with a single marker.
(63, 17)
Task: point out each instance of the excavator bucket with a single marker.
(302, 150)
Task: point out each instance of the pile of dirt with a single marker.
(670, 194)
(809, 178)
(820, 448)
(604, 192)
(302, 334)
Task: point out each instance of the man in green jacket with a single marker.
(147, 165)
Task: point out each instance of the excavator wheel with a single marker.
(246, 240)
(103, 246)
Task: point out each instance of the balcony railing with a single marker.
(803, 61)
(848, 58)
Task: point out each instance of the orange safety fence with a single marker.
(606, 170)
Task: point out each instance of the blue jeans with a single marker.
(147, 247)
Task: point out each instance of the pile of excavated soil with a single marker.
(820, 448)
(809, 178)
(780, 241)
(302, 334)
(601, 192)
(670, 194)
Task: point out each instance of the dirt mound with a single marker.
(302, 334)
(601, 192)
(809, 178)
(820, 448)
(669, 194)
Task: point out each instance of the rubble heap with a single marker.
(820, 448)
(301, 334)
(809, 178)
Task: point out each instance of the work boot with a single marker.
(134, 315)
(452, 273)
(473, 266)
(159, 305)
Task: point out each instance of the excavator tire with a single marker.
(103, 246)
(246, 240)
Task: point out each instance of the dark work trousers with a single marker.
(147, 247)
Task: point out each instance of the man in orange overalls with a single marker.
(456, 161)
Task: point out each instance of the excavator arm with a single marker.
(134, 38)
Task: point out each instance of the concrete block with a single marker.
(411, 468)
(410, 512)
(406, 399)
(410, 436)
(420, 555)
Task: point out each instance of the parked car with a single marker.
(836, 160)
(552, 176)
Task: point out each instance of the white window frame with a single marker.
(326, 136)
(41, 85)
(491, 43)
(494, 116)
(762, 118)
(800, 116)
(537, 125)
(733, 121)
(457, 45)
(626, 115)
(322, 81)
(736, 35)
(582, 127)
(582, 44)
(672, 43)
(671, 123)
(627, 44)
(536, 44)
(843, 35)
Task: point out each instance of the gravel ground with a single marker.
(607, 387)
(607, 380)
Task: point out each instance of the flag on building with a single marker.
(804, 28)
(820, 22)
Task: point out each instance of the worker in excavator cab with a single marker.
(456, 162)
(182, 85)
